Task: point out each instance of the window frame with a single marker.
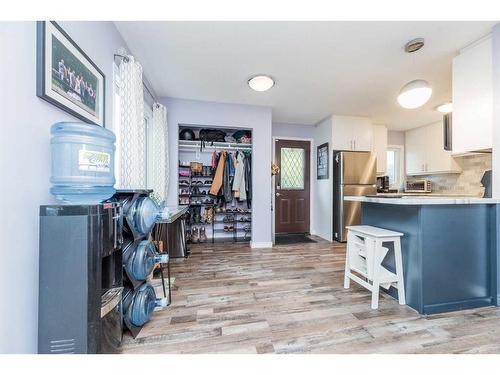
(400, 166)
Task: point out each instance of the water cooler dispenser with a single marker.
(80, 293)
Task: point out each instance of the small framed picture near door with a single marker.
(322, 162)
(66, 77)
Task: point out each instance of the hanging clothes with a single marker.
(219, 175)
(213, 162)
(239, 184)
(248, 178)
(230, 161)
(226, 184)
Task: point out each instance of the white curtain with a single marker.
(132, 139)
(158, 176)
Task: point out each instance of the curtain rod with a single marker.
(127, 59)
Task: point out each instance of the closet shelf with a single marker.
(196, 145)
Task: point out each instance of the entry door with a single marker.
(292, 186)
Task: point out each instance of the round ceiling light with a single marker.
(414, 94)
(445, 108)
(261, 82)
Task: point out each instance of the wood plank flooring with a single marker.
(228, 298)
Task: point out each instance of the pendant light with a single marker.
(414, 94)
(417, 92)
(445, 107)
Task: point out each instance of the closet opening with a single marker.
(215, 182)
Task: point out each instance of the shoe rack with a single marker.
(235, 220)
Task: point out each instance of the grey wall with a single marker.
(25, 165)
(256, 118)
(292, 130)
(396, 138)
(322, 217)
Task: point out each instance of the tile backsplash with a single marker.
(468, 182)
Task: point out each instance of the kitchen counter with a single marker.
(451, 259)
(422, 200)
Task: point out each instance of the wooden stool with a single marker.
(364, 255)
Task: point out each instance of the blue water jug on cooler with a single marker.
(82, 163)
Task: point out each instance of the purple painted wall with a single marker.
(257, 118)
(25, 165)
(293, 130)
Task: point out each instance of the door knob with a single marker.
(278, 194)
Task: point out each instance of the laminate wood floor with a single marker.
(229, 298)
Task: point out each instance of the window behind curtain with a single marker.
(148, 119)
(116, 117)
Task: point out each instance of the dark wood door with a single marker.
(292, 186)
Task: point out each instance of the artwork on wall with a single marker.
(66, 77)
(322, 162)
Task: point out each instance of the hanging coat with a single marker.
(248, 178)
(226, 180)
(219, 175)
(239, 184)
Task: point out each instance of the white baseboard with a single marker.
(260, 245)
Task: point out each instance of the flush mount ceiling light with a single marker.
(445, 108)
(261, 82)
(417, 92)
(414, 94)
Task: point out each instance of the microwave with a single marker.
(418, 186)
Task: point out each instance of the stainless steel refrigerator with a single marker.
(354, 173)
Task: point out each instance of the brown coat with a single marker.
(219, 173)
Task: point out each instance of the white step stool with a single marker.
(364, 256)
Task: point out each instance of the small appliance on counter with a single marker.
(383, 184)
(486, 182)
(418, 186)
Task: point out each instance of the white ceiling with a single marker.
(321, 68)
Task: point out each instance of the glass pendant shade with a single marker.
(414, 94)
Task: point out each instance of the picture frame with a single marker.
(67, 77)
(322, 160)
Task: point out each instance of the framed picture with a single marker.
(66, 77)
(322, 162)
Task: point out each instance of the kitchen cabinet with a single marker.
(425, 154)
(351, 133)
(379, 147)
(473, 98)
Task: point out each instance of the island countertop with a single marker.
(423, 200)
(450, 248)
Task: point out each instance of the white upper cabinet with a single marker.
(379, 147)
(473, 98)
(351, 133)
(425, 153)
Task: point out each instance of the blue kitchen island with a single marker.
(450, 248)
